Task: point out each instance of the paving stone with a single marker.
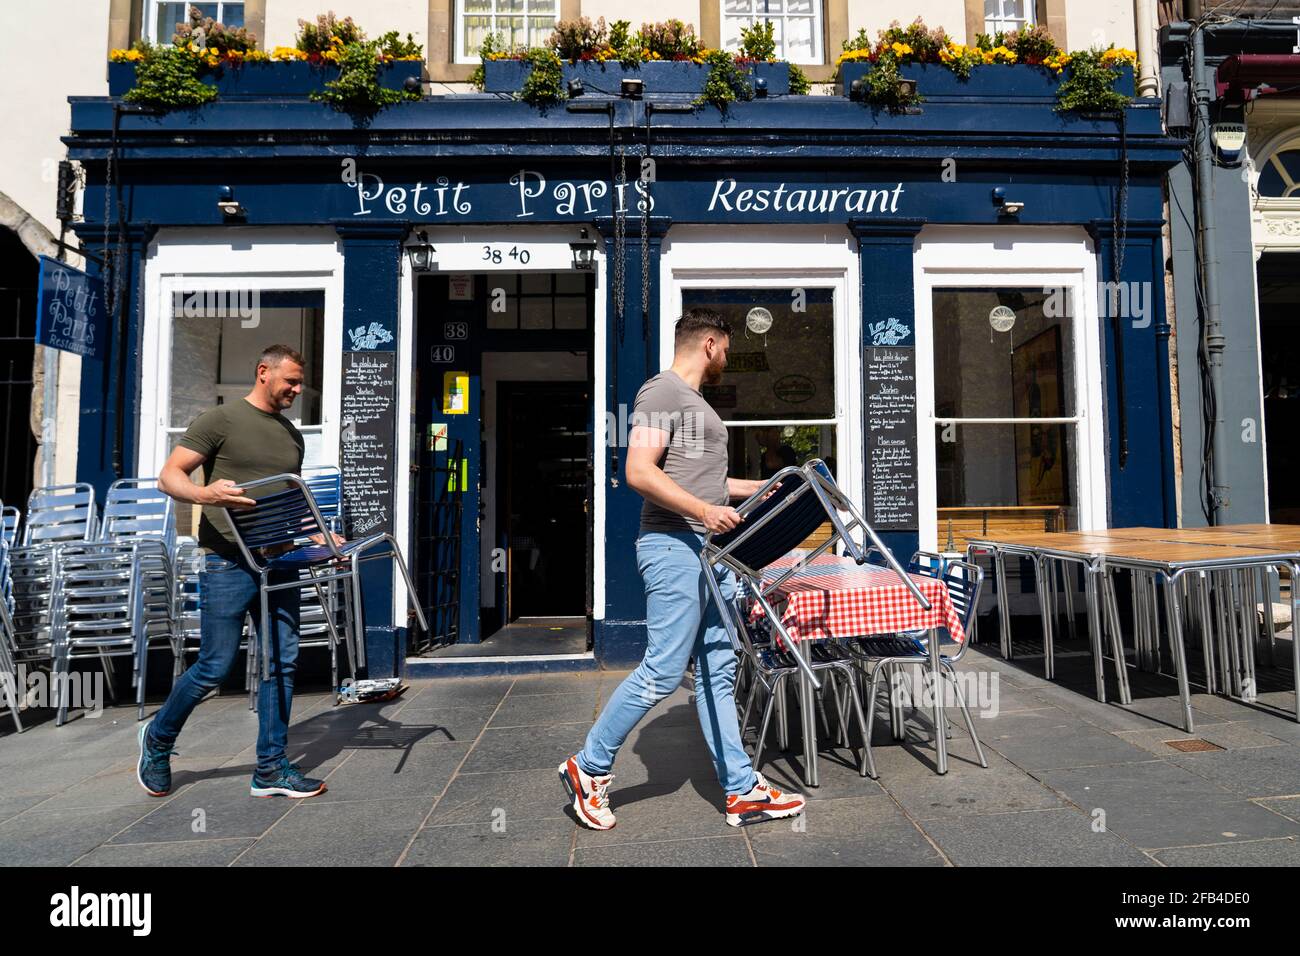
(585, 683)
(1258, 772)
(205, 853)
(12, 806)
(540, 710)
(967, 788)
(374, 833)
(58, 837)
(526, 748)
(48, 776)
(664, 816)
(461, 692)
(1237, 735)
(862, 831)
(1288, 807)
(1159, 804)
(515, 795)
(420, 771)
(1255, 853)
(1052, 837)
(227, 812)
(1039, 740)
(521, 843)
(715, 851)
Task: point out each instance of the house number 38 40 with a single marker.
(455, 331)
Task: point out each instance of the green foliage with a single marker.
(357, 90)
(544, 85)
(799, 84)
(392, 45)
(670, 40)
(859, 42)
(1089, 84)
(578, 39)
(758, 41)
(1032, 45)
(168, 78)
(625, 44)
(214, 35)
(882, 86)
(327, 31)
(725, 83)
(925, 42)
(492, 43)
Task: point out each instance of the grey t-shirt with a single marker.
(696, 454)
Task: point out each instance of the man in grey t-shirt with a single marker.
(677, 461)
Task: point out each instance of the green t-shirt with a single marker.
(241, 442)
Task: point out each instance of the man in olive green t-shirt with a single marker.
(236, 443)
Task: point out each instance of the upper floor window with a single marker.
(797, 26)
(1279, 176)
(1007, 15)
(162, 17)
(526, 23)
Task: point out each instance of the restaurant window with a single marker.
(164, 16)
(217, 338)
(796, 26)
(1007, 15)
(1005, 411)
(777, 394)
(519, 23)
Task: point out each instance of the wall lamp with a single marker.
(1009, 207)
(229, 206)
(632, 89)
(584, 252)
(421, 254)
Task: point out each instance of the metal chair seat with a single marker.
(320, 554)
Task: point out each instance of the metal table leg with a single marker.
(1004, 604)
(1095, 630)
(1177, 651)
(940, 721)
(808, 720)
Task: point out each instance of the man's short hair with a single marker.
(273, 355)
(698, 322)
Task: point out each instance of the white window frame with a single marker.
(151, 15)
(471, 56)
(781, 257)
(235, 259)
(956, 257)
(1007, 22)
(747, 19)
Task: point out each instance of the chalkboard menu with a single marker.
(891, 438)
(367, 444)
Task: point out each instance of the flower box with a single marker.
(1016, 81)
(659, 76)
(276, 79)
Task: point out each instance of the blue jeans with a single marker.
(682, 621)
(228, 590)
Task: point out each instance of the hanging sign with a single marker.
(70, 310)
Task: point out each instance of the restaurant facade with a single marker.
(959, 307)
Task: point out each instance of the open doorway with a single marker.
(1279, 348)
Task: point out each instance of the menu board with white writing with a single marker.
(366, 439)
(891, 438)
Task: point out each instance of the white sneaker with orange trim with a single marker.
(764, 802)
(590, 795)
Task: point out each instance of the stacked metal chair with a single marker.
(117, 592)
(9, 689)
(57, 516)
(880, 656)
(789, 507)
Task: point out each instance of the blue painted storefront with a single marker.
(822, 160)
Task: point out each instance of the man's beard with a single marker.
(713, 374)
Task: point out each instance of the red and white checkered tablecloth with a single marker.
(836, 597)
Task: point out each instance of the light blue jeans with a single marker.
(682, 621)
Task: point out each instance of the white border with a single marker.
(783, 257)
(1031, 256)
(532, 236)
(262, 259)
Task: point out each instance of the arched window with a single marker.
(1279, 174)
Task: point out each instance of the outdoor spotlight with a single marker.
(631, 89)
(421, 253)
(760, 86)
(584, 251)
(906, 88)
(575, 87)
(229, 206)
(412, 84)
(857, 90)
(1009, 207)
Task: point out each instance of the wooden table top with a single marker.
(1167, 546)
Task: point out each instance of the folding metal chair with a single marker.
(117, 592)
(878, 655)
(789, 507)
(9, 690)
(275, 534)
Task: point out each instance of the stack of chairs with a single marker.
(9, 689)
(116, 592)
(57, 517)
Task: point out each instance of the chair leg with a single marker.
(144, 672)
(965, 712)
(871, 709)
(767, 718)
(782, 712)
(867, 765)
(749, 704)
(106, 665)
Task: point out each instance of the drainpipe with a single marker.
(1144, 22)
(1212, 324)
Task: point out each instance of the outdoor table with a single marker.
(833, 598)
